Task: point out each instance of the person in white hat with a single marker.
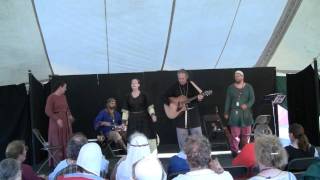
(89, 160)
(141, 169)
(138, 148)
(239, 101)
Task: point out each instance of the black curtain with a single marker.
(87, 94)
(302, 102)
(38, 94)
(14, 117)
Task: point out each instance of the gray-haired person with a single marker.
(10, 169)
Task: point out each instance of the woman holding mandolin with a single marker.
(181, 101)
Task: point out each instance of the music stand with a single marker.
(275, 99)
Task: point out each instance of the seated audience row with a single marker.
(86, 161)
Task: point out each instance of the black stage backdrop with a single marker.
(302, 102)
(87, 94)
(14, 117)
(38, 94)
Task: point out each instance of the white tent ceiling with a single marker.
(114, 36)
(301, 43)
(21, 47)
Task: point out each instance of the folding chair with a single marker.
(51, 150)
(299, 175)
(300, 164)
(237, 172)
(105, 145)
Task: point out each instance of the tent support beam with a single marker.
(279, 31)
(169, 34)
(41, 35)
(107, 37)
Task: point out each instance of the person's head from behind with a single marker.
(74, 145)
(296, 135)
(148, 168)
(10, 169)
(138, 145)
(111, 103)
(183, 76)
(197, 149)
(17, 150)
(269, 152)
(60, 87)
(261, 130)
(90, 157)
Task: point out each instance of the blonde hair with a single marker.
(270, 152)
(15, 148)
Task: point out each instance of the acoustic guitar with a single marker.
(178, 104)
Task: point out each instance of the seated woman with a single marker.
(18, 150)
(247, 156)
(109, 122)
(300, 146)
(271, 158)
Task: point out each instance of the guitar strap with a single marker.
(196, 87)
(186, 112)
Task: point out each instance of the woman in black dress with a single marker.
(138, 114)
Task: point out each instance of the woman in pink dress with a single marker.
(60, 119)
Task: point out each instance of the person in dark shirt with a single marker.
(139, 115)
(188, 121)
(300, 146)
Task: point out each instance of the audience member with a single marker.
(69, 165)
(178, 164)
(89, 160)
(10, 169)
(300, 146)
(141, 169)
(18, 150)
(198, 149)
(271, 158)
(138, 148)
(247, 156)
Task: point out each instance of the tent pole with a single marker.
(169, 34)
(41, 35)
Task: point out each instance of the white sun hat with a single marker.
(89, 158)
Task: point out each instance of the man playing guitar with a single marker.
(109, 122)
(188, 118)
